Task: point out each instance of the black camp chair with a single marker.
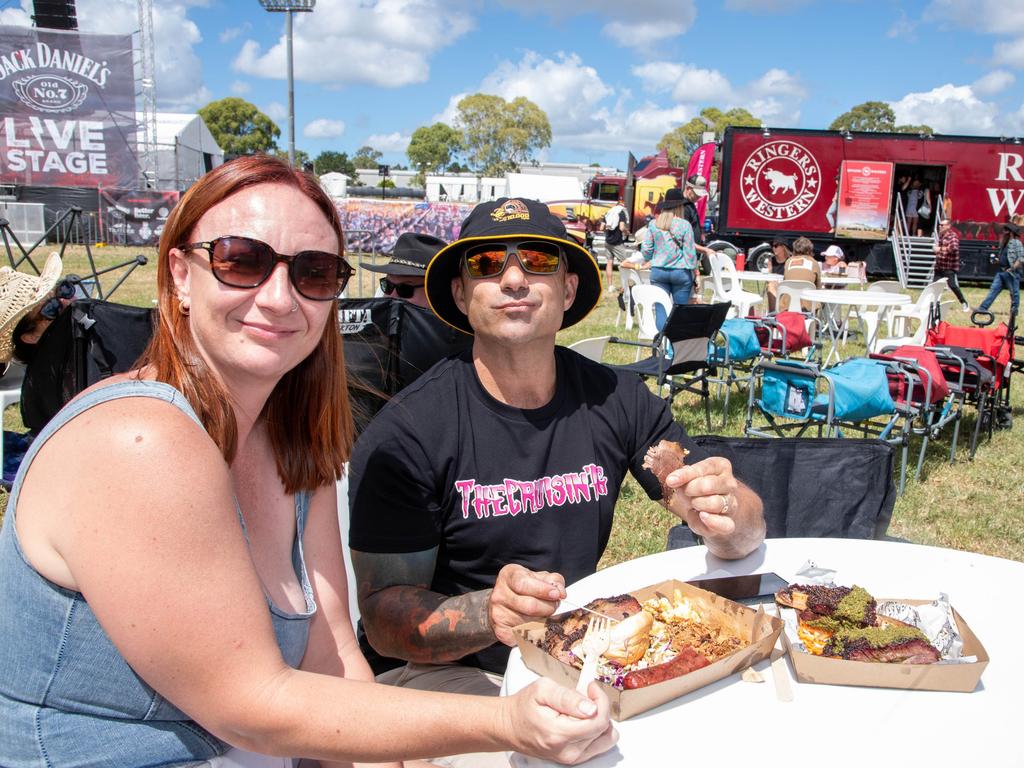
(689, 332)
(388, 343)
(811, 487)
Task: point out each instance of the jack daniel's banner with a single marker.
(67, 109)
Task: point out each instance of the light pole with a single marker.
(288, 7)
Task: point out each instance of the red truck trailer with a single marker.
(787, 182)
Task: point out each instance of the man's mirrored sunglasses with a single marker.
(401, 290)
(242, 262)
(537, 257)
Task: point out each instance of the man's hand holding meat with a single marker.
(520, 595)
(717, 507)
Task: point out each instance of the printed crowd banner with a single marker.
(67, 109)
(374, 225)
(135, 217)
(700, 164)
(864, 198)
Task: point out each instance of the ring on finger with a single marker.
(725, 503)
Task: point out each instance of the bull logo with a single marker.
(50, 93)
(780, 180)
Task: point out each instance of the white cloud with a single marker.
(1010, 54)
(276, 111)
(389, 142)
(565, 88)
(948, 109)
(775, 97)
(15, 17)
(231, 33)
(626, 26)
(387, 43)
(995, 81)
(240, 87)
(323, 128)
(903, 26)
(995, 17)
(764, 6)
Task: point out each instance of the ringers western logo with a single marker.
(52, 91)
(513, 209)
(780, 181)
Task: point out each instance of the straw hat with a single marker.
(20, 293)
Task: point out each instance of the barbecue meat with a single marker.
(843, 604)
(908, 652)
(565, 630)
(663, 459)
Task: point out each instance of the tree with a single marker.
(498, 136)
(432, 148)
(301, 157)
(239, 127)
(682, 141)
(367, 157)
(329, 161)
(874, 116)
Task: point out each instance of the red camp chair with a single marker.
(988, 354)
(784, 334)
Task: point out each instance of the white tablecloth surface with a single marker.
(736, 723)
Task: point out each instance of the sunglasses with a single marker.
(242, 262)
(401, 290)
(537, 257)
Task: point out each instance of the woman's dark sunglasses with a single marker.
(538, 257)
(401, 290)
(241, 262)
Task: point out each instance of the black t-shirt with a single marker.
(446, 465)
(691, 215)
(614, 236)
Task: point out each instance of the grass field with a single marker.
(976, 506)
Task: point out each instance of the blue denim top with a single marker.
(67, 696)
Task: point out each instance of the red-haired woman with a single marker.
(172, 576)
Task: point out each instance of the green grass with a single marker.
(975, 506)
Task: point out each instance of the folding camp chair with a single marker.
(988, 354)
(840, 488)
(782, 334)
(734, 356)
(853, 396)
(679, 351)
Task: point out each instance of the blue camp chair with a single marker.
(734, 353)
(788, 398)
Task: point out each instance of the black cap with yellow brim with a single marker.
(510, 219)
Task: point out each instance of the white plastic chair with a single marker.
(647, 297)
(911, 323)
(859, 270)
(788, 294)
(592, 348)
(629, 278)
(727, 287)
(868, 316)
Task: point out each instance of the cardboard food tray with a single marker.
(761, 629)
(961, 678)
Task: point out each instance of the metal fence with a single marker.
(364, 282)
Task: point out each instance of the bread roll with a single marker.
(630, 638)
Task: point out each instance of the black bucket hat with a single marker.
(673, 199)
(510, 219)
(410, 256)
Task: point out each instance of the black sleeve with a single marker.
(393, 499)
(651, 421)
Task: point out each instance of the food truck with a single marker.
(849, 189)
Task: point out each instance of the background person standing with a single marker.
(947, 259)
(616, 231)
(1011, 262)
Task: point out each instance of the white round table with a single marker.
(759, 277)
(733, 722)
(836, 301)
(840, 280)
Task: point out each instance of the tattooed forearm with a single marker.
(404, 619)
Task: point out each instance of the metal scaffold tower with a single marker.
(147, 95)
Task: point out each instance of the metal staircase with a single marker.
(915, 256)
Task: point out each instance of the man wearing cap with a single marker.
(695, 189)
(483, 488)
(616, 232)
(947, 259)
(1011, 264)
(405, 270)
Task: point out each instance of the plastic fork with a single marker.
(594, 643)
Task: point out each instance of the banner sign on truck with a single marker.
(67, 109)
(700, 165)
(864, 198)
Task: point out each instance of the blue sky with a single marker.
(612, 75)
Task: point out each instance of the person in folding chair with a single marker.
(485, 486)
(172, 570)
